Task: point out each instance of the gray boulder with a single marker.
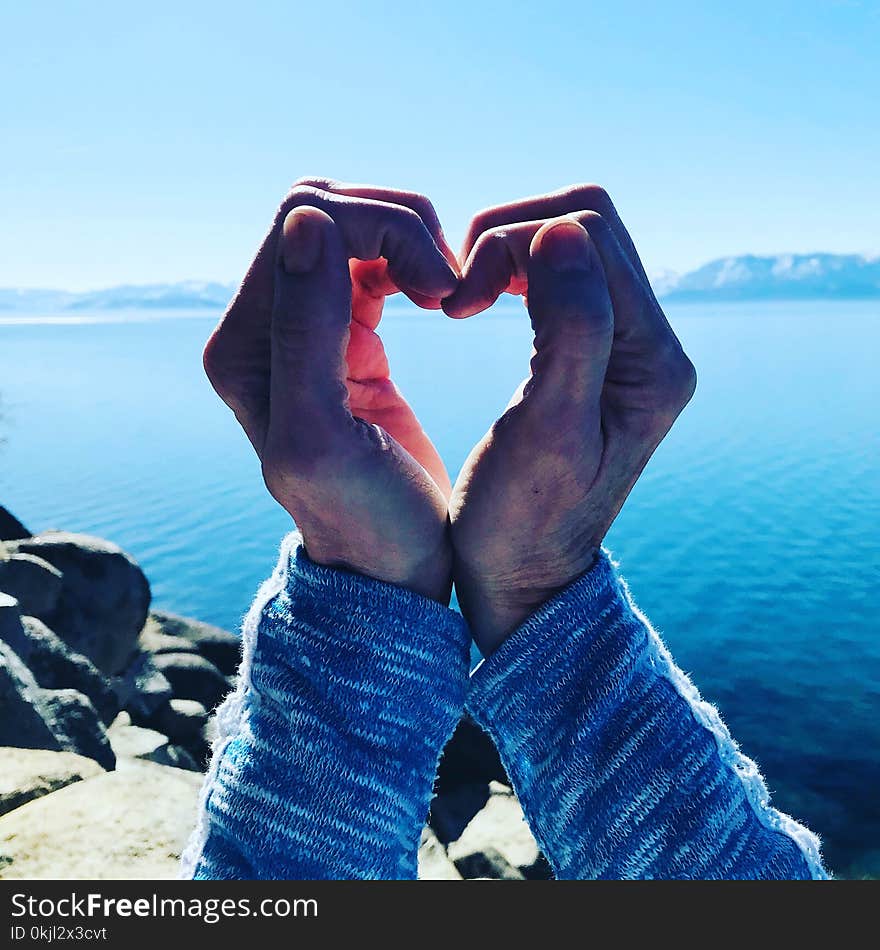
(34, 583)
(193, 677)
(219, 646)
(55, 666)
(104, 597)
(153, 639)
(142, 688)
(11, 529)
(453, 810)
(136, 742)
(75, 722)
(125, 825)
(36, 718)
(487, 865)
(434, 864)
(26, 774)
(10, 617)
(182, 720)
(21, 700)
(497, 839)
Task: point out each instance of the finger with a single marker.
(409, 199)
(237, 355)
(310, 331)
(379, 402)
(565, 201)
(374, 398)
(370, 229)
(499, 262)
(571, 313)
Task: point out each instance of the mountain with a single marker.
(186, 295)
(781, 277)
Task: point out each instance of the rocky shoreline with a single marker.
(105, 729)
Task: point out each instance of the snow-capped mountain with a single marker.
(186, 295)
(783, 276)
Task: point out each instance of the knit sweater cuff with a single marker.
(623, 770)
(327, 751)
(348, 630)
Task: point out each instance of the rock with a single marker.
(153, 639)
(26, 774)
(499, 827)
(55, 666)
(192, 677)
(434, 865)
(182, 720)
(34, 583)
(142, 688)
(488, 865)
(22, 724)
(74, 721)
(220, 647)
(10, 618)
(104, 596)
(36, 718)
(211, 732)
(125, 825)
(135, 742)
(452, 812)
(470, 758)
(11, 529)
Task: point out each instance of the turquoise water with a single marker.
(752, 540)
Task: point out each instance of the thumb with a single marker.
(310, 326)
(570, 309)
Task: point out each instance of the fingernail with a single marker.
(566, 247)
(301, 241)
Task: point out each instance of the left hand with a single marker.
(298, 360)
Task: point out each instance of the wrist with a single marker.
(428, 573)
(495, 605)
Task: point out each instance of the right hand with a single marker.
(297, 359)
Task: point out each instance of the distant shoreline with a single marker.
(783, 277)
(692, 306)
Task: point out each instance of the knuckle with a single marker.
(590, 196)
(406, 218)
(422, 206)
(490, 243)
(483, 220)
(301, 195)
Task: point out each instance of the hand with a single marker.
(297, 358)
(608, 379)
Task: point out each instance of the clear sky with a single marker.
(151, 142)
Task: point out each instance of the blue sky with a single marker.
(151, 142)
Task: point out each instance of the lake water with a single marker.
(752, 540)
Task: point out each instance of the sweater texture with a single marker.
(349, 689)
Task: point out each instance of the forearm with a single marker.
(325, 764)
(623, 771)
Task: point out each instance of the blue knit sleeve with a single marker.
(327, 750)
(622, 769)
